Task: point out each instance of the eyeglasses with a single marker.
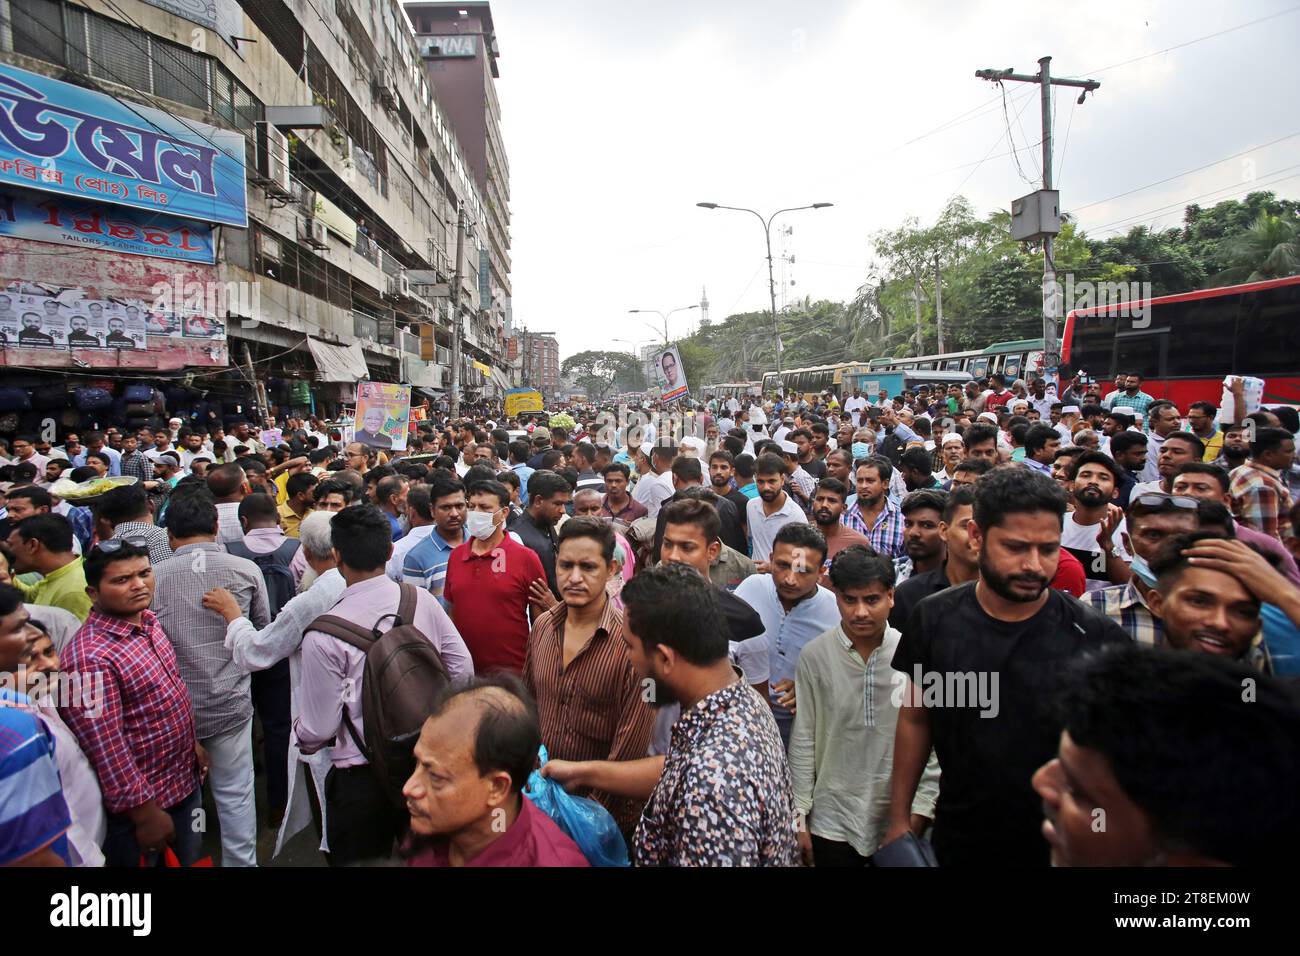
(113, 545)
(1159, 501)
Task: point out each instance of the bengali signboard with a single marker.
(72, 222)
(383, 415)
(519, 400)
(60, 138)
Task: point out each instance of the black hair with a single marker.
(688, 469)
(769, 464)
(543, 484)
(931, 498)
(480, 471)
(192, 515)
(672, 605)
(1123, 419)
(593, 528)
(52, 531)
(224, 480)
(745, 467)
(507, 477)
(520, 452)
(39, 497)
(1005, 491)
(722, 455)
(918, 459)
(1204, 468)
(98, 560)
(858, 565)
(586, 451)
(801, 535)
(333, 486)
(957, 497)
(391, 485)
(1097, 458)
(617, 466)
(974, 466)
(835, 486)
(1037, 437)
(1214, 770)
(1121, 442)
(256, 508)
(297, 484)
(1268, 439)
(1215, 516)
(884, 467)
(362, 536)
(694, 511)
(1170, 560)
(492, 487)
(1018, 431)
(978, 434)
(1288, 416)
(1090, 410)
(11, 599)
(508, 734)
(1198, 446)
(733, 444)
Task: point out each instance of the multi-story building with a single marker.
(242, 203)
(535, 357)
(459, 46)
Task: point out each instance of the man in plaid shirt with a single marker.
(134, 462)
(137, 728)
(1260, 498)
(873, 515)
(1131, 397)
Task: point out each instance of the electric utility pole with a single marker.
(455, 313)
(1051, 293)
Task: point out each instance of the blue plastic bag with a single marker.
(582, 819)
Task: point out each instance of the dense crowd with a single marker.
(1005, 623)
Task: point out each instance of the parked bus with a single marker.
(807, 382)
(1012, 359)
(1184, 345)
(737, 390)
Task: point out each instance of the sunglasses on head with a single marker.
(113, 545)
(1159, 501)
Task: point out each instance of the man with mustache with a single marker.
(827, 509)
(1092, 531)
(980, 671)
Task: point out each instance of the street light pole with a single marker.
(663, 317)
(771, 276)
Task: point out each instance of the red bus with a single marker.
(1183, 345)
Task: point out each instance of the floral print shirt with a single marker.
(725, 797)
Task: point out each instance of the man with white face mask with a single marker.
(490, 580)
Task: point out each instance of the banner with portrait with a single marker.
(35, 320)
(383, 415)
(670, 375)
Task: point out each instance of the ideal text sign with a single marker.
(60, 138)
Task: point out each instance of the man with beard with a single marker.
(916, 466)
(872, 514)
(922, 534)
(772, 510)
(1009, 626)
(1128, 450)
(828, 508)
(1236, 449)
(722, 468)
(1091, 530)
(960, 563)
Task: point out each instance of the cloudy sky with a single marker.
(620, 115)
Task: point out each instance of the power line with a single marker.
(1251, 187)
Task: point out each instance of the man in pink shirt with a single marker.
(479, 746)
(361, 821)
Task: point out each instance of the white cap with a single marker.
(950, 438)
(697, 445)
(647, 447)
(789, 447)
(1070, 410)
(990, 416)
(174, 421)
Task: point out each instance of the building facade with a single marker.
(243, 204)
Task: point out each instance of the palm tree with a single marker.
(1269, 249)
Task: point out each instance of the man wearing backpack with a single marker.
(363, 812)
(266, 546)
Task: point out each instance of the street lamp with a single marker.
(663, 316)
(767, 234)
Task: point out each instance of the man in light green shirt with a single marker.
(842, 742)
(43, 544)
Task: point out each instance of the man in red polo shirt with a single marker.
(489, 579)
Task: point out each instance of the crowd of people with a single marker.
(1010, 623)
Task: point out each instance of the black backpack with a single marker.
(276, 571)
(403, 675)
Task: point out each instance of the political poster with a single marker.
(383, 415)
(520, 400)
(32, 321)
(670, 375)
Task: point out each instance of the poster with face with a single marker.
(196, 325)
(160, 323)
(383, 415)
(124, 326)
(670, 375)
(33, 321)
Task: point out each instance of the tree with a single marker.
(597, 372)
(1269, 249)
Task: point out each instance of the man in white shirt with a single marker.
(855, 403)
(419, 511)
(653, 489)
(772, 510)
(1094, 531)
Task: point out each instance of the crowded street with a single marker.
(975, 549)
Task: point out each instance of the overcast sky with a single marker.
(620, 115)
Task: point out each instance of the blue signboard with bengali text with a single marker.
(89, 225)
(60, 138)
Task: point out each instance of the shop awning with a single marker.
(501, 380)
(338, 363)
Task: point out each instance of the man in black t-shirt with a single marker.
(722, 470)
(982, 664)
(960, 565)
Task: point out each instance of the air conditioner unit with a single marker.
(404, 283)
(277, 157)
(268, 245)
(386, 87)
(392, 287)
(312, 232)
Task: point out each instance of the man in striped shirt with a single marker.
(425, 565)
(577, 667)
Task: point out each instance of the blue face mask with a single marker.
(861, 450)
(1142, 571)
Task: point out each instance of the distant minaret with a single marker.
(704, 307)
